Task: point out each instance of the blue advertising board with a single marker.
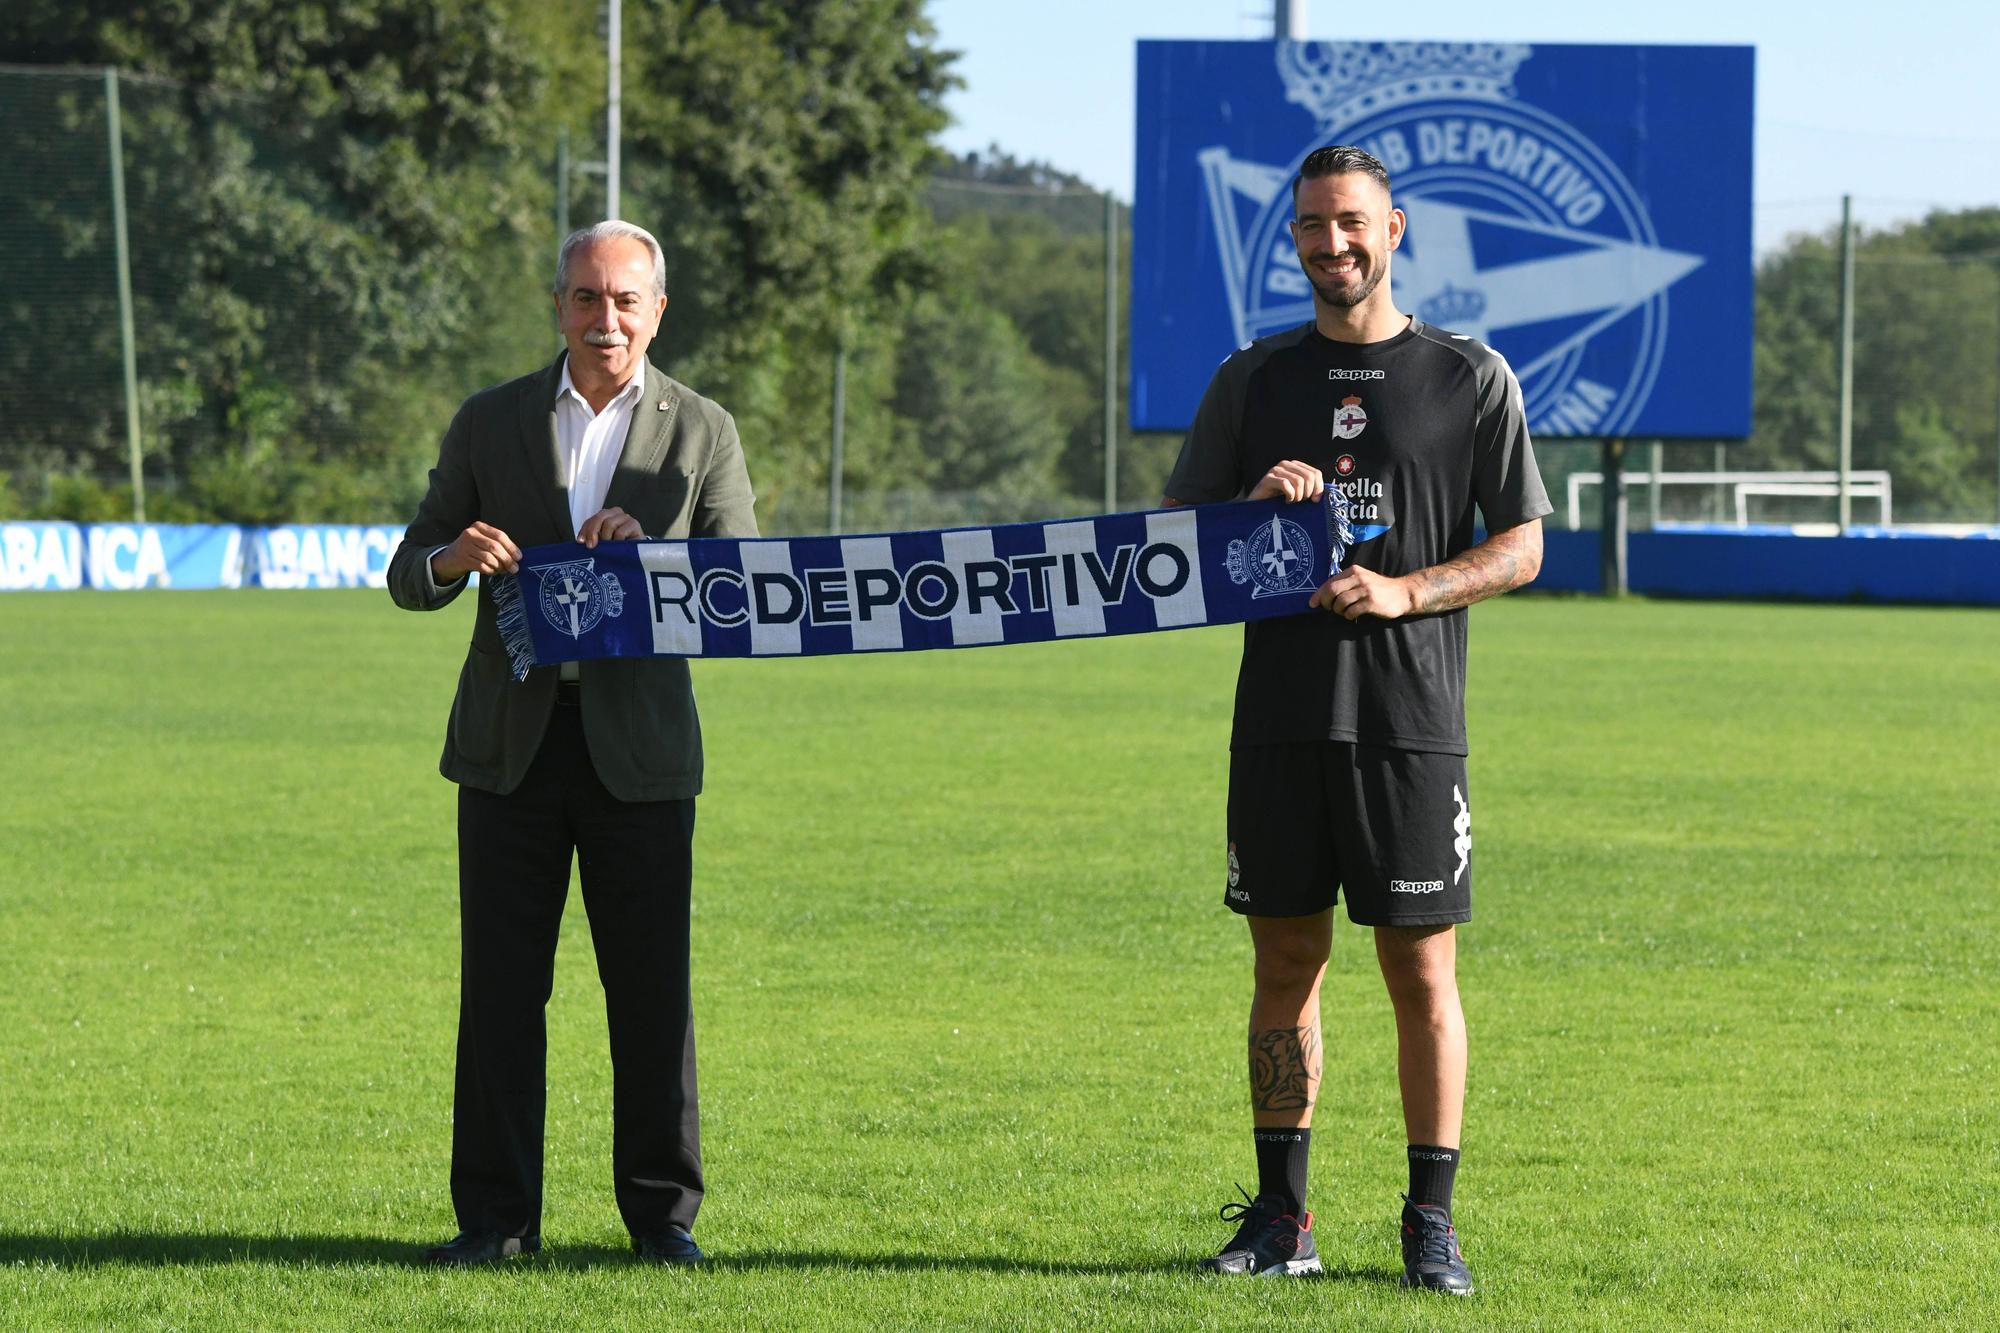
(162, 555)
(126, 556)
(1584, 210)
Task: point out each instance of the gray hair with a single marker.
(611, 229)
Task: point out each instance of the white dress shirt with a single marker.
(589, 443)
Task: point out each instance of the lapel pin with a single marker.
(660, 406)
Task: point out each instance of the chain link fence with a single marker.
(277, 375)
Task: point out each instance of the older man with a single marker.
(600, 759)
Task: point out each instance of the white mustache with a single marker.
(599, 338)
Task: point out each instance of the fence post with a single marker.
(1110, 352)
(1846, 359)
(127, 339)
(1611, 536)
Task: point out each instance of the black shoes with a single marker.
(1270, 1242)
(1431, 1257)
(470, 1249)
(672, 1246)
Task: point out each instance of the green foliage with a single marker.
(777, 150)
(1926, 360)
(311, 191)
(80, 498)
(971, 1006)
(969, 395)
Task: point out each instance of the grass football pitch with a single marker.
(970, 1009)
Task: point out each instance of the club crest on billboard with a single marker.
(1516, 167)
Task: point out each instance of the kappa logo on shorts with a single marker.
(1416, 886)
(1462, 827)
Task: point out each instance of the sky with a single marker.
(1895, 105)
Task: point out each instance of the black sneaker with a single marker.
(1270, 1242)
(1431, 1257)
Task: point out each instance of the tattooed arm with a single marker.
(1504, 561)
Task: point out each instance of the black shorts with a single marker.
(1390, 826)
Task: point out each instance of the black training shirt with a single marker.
(1416, 429)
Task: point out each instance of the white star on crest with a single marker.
(1279, 558)
(573, 596)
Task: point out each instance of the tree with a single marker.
(1926, 359)
(311, 191)
(781, 146)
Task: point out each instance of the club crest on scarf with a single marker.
(575, 597)
(1277, 557)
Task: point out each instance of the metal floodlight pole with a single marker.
(1110, 352)
(614, 53)
(127, 338)
(838, 462)
(1846, 359)
(562, 187)
(1288, 19)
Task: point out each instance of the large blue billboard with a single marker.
(1584, 210)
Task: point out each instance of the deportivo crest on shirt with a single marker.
(575, 597)
(1349, 421)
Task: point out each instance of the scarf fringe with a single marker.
(511, 619)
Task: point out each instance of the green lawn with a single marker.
(971, 1011)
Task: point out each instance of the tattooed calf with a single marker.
(1284, 1068)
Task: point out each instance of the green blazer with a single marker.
(681, 475)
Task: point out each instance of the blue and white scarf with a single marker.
(895, 592)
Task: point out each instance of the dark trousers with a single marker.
(513, 864)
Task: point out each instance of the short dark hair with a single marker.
(1339, 160)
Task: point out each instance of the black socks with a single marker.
(1281, 1170)
(1432, 1170)
(1281, 1166)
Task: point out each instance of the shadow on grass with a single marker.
(190, 1249)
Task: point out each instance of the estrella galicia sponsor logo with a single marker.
(1522, 232)
(1276, 557)
(1416, 886)
(1461, 828)
(1367, 500)
(575, 597)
